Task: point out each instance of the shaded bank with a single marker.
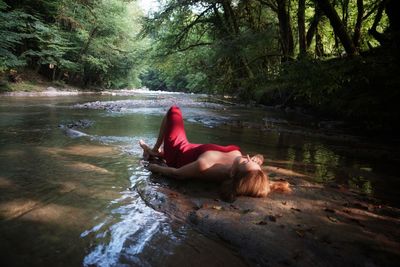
(360, 91)
(314, 225)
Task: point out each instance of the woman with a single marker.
(242, 175)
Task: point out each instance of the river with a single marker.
(69, 173)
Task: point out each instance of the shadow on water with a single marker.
(45, 203)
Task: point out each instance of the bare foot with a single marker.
(147, 151)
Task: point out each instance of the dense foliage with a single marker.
(237, 45)
(338, 57)
(334, 56)
(86, 42)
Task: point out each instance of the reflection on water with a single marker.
(362, 184)
(323, 165)
(74, 194)
(324, 161)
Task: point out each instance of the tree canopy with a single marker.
(85, 42)
(321, 54)
(336, 57)
(233, 45)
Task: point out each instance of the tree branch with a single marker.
(181, 35)
(375, 6)
(269, 4)
(187, 48)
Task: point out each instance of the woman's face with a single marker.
(243, 164)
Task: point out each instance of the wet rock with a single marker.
(71, 129)
(80, 124)
(73, 133)
(313, 227)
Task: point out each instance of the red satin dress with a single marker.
(177, 149)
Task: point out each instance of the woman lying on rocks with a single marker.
(241, 174)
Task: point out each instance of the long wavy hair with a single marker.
(253, 183)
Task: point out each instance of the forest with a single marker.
(336, 58)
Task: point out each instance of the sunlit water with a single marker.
(69, 197)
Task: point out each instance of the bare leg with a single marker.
(160, 138)
(155, 152)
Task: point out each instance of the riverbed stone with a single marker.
(315, 225)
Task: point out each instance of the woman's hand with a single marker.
(154, 167)
(164, 170)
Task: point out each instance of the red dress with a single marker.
(177, 149)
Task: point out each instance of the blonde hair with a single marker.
(254, 184)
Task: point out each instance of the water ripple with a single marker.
(124, 234)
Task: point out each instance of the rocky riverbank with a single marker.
(315, 225)
(68, 91)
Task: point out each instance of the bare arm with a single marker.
(192, 170)
(198, 169)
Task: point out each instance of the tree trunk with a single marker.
(240, 62)
(357, 27)
(313, 26)
(337, 41)
(380, 37)
(392, 9)
(229, 16)
(249, 15)
(319, 47)
(285, 29)
(338, 26)
(84, 49)
(219, 22)
(302, 27)
(345, 12)
(60, 74)
(37, 68)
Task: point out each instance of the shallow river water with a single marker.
(68, 196)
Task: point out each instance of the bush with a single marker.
(362, 90)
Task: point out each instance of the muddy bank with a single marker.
(315, 225)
